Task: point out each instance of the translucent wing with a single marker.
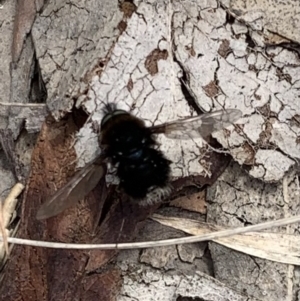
(199, 126)
(76, 189)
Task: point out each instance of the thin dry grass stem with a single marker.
(3, 230)
(160, 243)
(290, 268)
(18, 104)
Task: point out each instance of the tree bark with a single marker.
(162, 60)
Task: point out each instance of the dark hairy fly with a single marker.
(130, 145)
(143, 170)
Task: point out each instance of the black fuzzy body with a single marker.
(129, 144)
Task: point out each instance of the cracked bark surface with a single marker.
(150, 57)
(6, 27)
(250, 201)
(224, 70)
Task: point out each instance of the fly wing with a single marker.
(76, 189)
(199, 126)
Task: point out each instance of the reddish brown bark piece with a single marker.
(151, 62)
(49, 274)
(105, 285)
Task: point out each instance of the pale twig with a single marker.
(160, 243)
(18, 104)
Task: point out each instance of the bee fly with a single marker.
(143, 170)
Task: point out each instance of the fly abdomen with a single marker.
(144, 173)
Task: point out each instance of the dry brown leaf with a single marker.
(277, 247)
(6, 210)
(194, 202)
(10, 203)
